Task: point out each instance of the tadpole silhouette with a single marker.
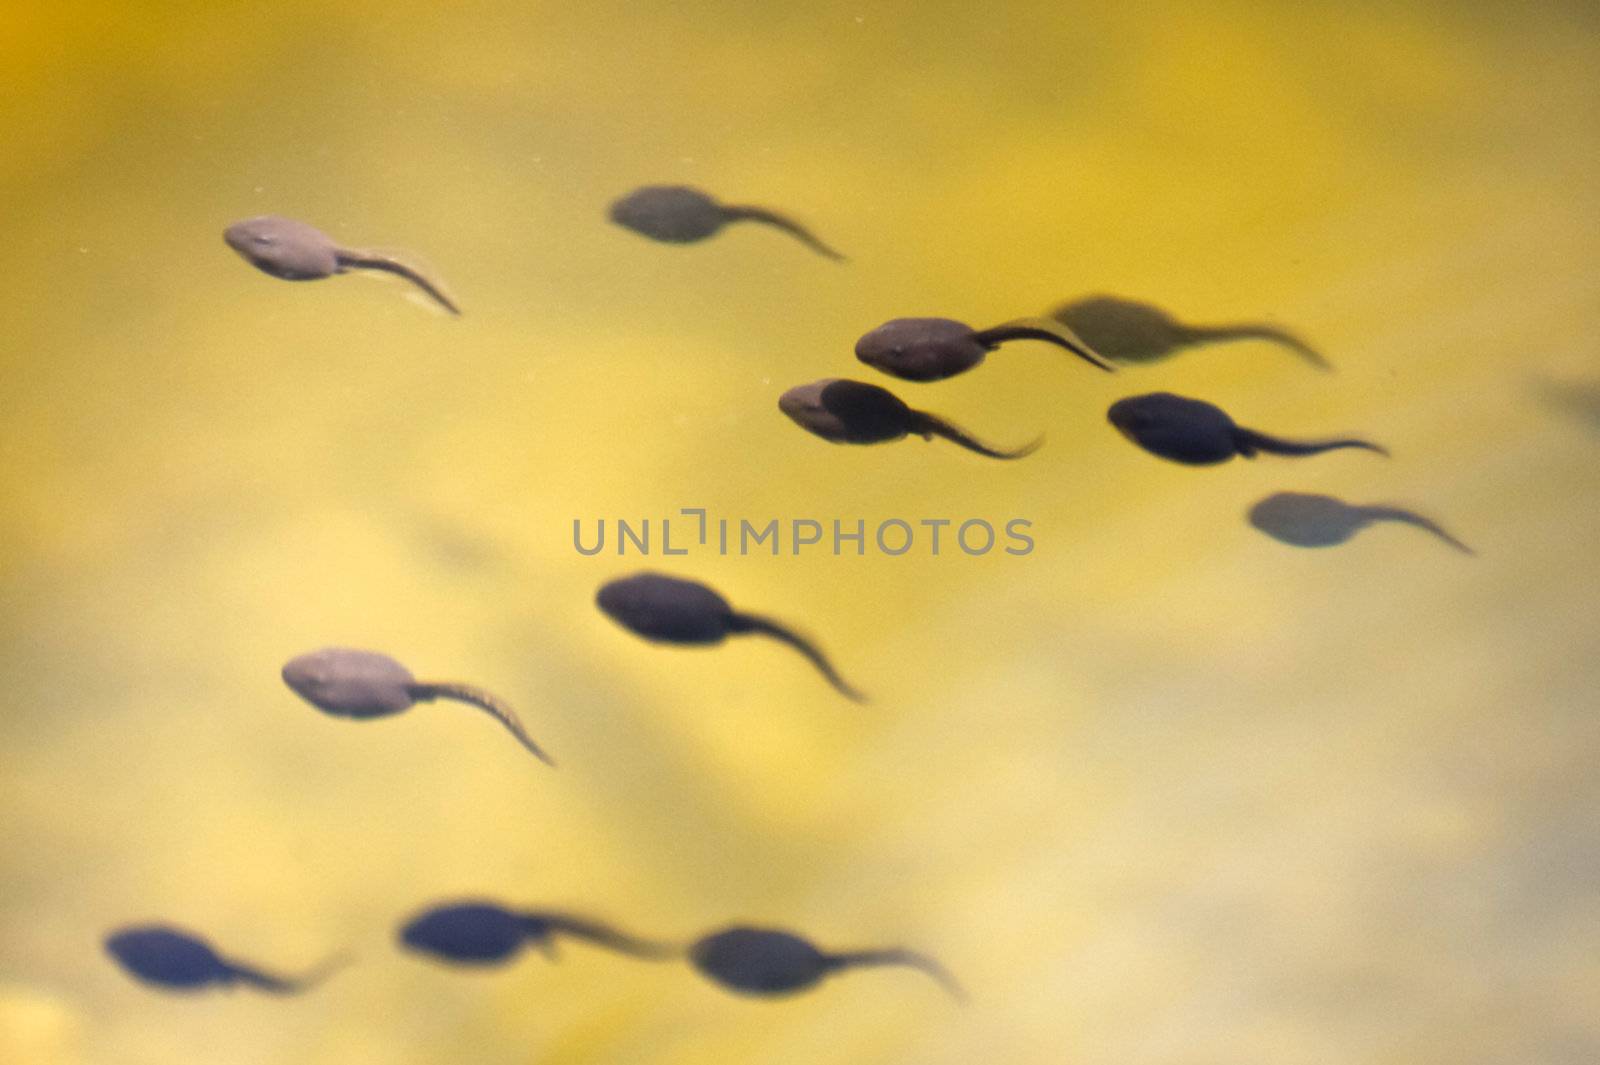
(931, 349)
(292, 250)
(1130, 331)
(1197, 433)
(666, 609)
(1303, 520)
(171, 958)
(485, 933)
(1578, 400)
(766, 962)
(854, 412)
(677, 214)
(350, 683)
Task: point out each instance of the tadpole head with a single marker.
(921, 349)
(804, 406)
(1131, 416)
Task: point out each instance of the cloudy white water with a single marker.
(1163, 790)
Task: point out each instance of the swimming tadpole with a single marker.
(677, 214)
(486, 933)
(350, 683)
(1130, 331)
(295, 251)
(769, 963)
(854, 412)
(171, 958)
(932, 349)
(1303, 520)
(1197, 433)
(666, 609)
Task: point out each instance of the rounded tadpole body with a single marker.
(671, 610)
(854, 412)
(486, 933)
(767, 962)
(932, 349)
(1304, 520)
(347, 682)
(171, 958)
(1197, 433)
(1131, 331)
(291, 250)
(678, 214)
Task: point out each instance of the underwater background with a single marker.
(1163, 790)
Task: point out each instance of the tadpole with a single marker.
(1303, 520)
(1197, 433)
(169, 957)
(666, 609)
(931, 349)
(292, 250)
(485, 933)
(677, 214)
(854, 412)
(351, 683)
(767, 962)
(1131, 331)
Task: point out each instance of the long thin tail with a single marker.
(1384, 512)
(745, 623)
(937, 426)
(1046, 329)
(284, 985)
(788, 225)
(465, 693)
(604, 935)
(373, 261)
(1249, 440)
(909, 958)
(1204, 334)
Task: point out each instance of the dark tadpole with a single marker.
(677, 214)
(485, 933)
(671, 610)
(854, 412)
(171, 958)
(294, 251)
(1197, 433)
(931, 349)
(361, 684)
(1130, 331)
(766, 962)
(1302, 520)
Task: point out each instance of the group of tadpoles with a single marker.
(359, 684)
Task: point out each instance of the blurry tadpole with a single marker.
(167, 957)
(347, 682)
(1129, 331)
(854, 412)
(677, 214)
(766, 962)
(666, 609)
(1302, 520)
(1197, 433)
(292, 250)
(485, 933)
(932, 349)
(1578, 400)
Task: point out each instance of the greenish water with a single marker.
(1162, 790)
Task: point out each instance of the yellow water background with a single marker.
(1163, 791)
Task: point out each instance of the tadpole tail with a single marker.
(1205, 334)
(483, 700)
(1048, 330)
(1250, 439)
(603, 935)
(746, 623)
(933, 424)
(372, 261)
(910, 959)
(261, 980)
(788, 225)
(1384, 512)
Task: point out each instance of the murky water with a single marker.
(1161, 790)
